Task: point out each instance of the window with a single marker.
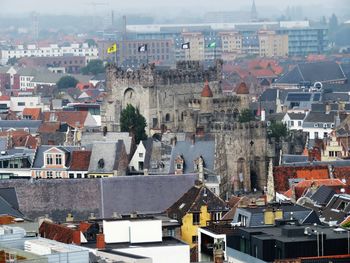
(325, 134)
(37, 174)
(49, 159)
(342, 205)
(299, 123)
(49, 174)
(291, 123)
(141, 155)
(21, 103)
(316, 135)
(196, 218)
(316, 125)
(178, 166)
(171, 232)
(194, 239)
(58, 159)
(58, 175)
(242, 219)
(79, 175)
(71, 175)
(331, 154)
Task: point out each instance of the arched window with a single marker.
(101, 164)
(167, 117)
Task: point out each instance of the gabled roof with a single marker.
(313, 72)
(35, 113)
(190, 152)
(296, 116)
(194, 199)
(80, 160)
(320, 117)
(72, 118)
(9, 203)
(39, 155)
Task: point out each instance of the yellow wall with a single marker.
(188, 229)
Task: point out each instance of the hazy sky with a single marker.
(86, 6)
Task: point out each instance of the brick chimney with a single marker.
(100, 241)
(218, 256)
(76, 237)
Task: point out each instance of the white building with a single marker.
(17, 104)
(138, 159)
(125, 239)
(52, 50)
(294, 121)
(319, 125)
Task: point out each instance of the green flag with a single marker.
(212, 45)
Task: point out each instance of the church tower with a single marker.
(253, 12)
(206, 99)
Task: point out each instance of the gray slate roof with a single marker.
(313, 72)
(320, 117)
(296, 116)
(191, 152)
(32, 125)
(293, 158)
(91, 137)
(143, 194)
(106, 151)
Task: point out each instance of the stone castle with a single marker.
(190, 99)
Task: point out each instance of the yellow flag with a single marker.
(112, 49)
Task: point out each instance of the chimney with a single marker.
(193, 139)
(174, 141)
(76, 237)
(263, 115)
(328, 108)
(218, 256)
(69, 218)
(100, 241)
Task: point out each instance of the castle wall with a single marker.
(241, 156)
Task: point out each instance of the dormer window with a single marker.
(325, 125)
(58, 159)
(49, 159)
(316, 125)
(101, 164)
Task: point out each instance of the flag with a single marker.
(185, 45)
(143, 48)
(212, 45)
(112, 49)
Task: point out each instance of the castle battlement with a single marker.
(149, 75)
(253, 125)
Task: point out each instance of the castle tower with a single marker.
(253, 12)
(242, 91)
(206, 99)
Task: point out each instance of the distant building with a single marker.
(53, 50)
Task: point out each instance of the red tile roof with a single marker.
(4, 97)
(56, 232)
(20, 138)
(282, 174)
(80, 160)
(35, 113)
(300, 187)
(242, 89)
(206, 92)
(74, 119)
(49, 127)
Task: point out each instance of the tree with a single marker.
(246, 115)
(12, 61)
(277, 130)
(67, 82)
(132, 120)
(91, 42)
(93, 67)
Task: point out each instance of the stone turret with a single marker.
(206, 99)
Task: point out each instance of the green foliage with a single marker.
(93, 67)
(132, 120)
(277, 130)
(67, 82)
(91, 42)
(346, 225)
(12, 61)
(246, 115)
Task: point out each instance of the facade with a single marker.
(294, 121)
(194, 209)
(319, 125)
(70, 64)
(272, 44)
(53, 50)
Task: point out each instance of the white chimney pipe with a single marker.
(263, 115)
